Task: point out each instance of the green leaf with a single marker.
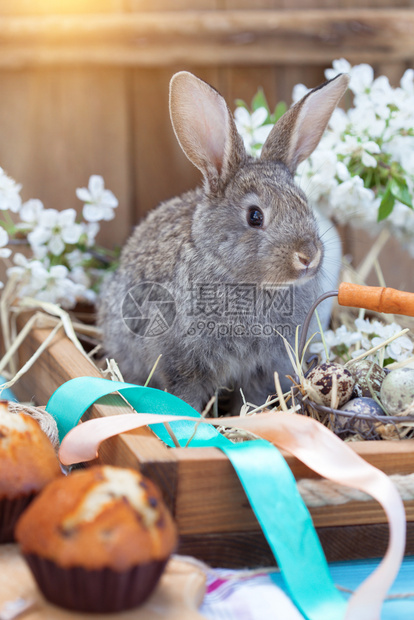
(259, 101)
(387, 204)
(255, 147)
(400, 191)
(241, 104)
(280, 109)
(341, 350)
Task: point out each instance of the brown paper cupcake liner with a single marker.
(95, 591)
(10, 511)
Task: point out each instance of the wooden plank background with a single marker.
(84, 87)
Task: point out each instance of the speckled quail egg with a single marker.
(368, 376)
(361, 406)
(322, 382)
(397, 390)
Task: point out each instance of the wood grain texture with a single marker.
(282, 37)
(139, 6)
(201, 494)
(162, 170)
(395, 262)
(84, 87)
(250, 549)
(60, 7)
(58, 127)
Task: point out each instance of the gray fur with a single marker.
(203, 237)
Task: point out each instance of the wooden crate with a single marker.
(213, 515)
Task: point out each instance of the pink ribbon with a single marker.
(311, 443)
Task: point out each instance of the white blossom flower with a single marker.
(351, 199)
(99, 202)
(299, 91)
(31, 210)
(407, 82)
(400, 349)
(32, 275)
(338, 123)
(4, 252)
(334, 338)
(376, 333)
(79, 276)
(364, 122)
(252, 128)
(338, 66)
(362, 77)
(47, 283)
(362, 151)
(401, 148)
(342, 171)
(10, 199)
(91, 229)
(366, 335)
(354, 147)
(76, 258)
(317, 175)
(29, 215)
(4, 240)
(382, 94)
(59, 269)
(55, 229)
(21, 261)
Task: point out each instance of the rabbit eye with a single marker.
(255, 217)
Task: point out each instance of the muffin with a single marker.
(97, 540)
(27, 463)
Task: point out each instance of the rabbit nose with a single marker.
(307, 260)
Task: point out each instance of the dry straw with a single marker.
(301, 397)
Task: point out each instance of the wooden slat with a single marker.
(61, 362)
(221, 483)
(208, 37)
(241, 549)
(243, 83)
(162, 169)
(60, 7)
(395, 262)
(59, 126)
(257, 4)
(142, 6)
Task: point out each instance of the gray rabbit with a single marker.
(211, 279)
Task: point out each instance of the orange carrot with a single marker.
(388, 300)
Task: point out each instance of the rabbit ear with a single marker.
(298, 131)
(205, 128)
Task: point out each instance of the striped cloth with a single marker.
(254, 595)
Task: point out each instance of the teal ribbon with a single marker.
(7, 394)
(266, 478)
